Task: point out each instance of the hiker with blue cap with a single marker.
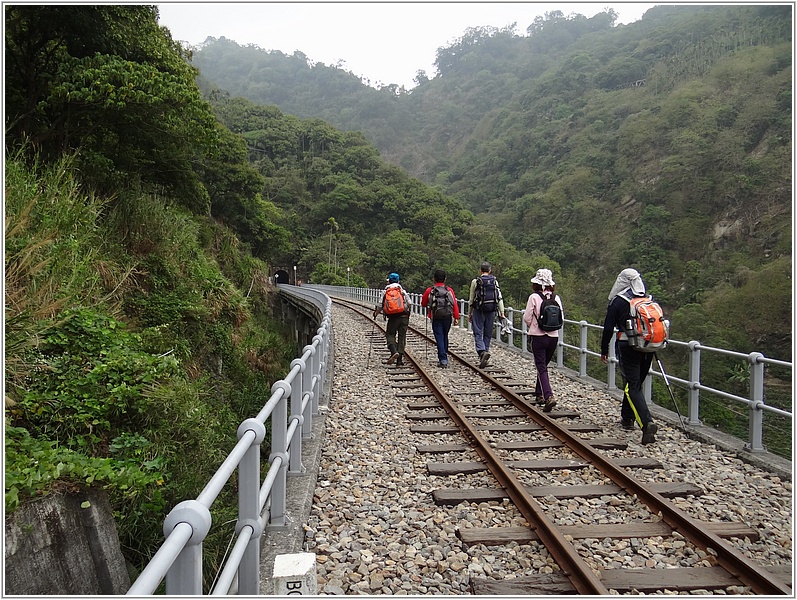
(395, 305)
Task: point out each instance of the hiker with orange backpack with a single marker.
(395, 305)
(635, 359)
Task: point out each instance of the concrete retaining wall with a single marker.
(55, 546)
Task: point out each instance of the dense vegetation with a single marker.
(144, 216)
(138, 329)
(139, 244)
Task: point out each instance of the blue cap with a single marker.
(393, 278)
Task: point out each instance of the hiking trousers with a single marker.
(482, 324)
(396, 332)
(634, 368)
(543, 348)
(440, 329)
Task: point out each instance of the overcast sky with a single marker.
(384, 42)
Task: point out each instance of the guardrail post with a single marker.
(756, 401)
(249, 508)
(279, 443)
(694, 383)
(319, 370)
(510, 338)
(307, 390)
(185, 575)
(582, 349)
(611, 368)
(560, 348)
(295, 444)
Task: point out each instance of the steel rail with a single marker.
(760, 581)
(737, 564)
(573, 566)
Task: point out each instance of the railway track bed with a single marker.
(583, 509)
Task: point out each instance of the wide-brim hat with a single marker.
(544, 277)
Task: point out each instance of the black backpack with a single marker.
(550, 317)
(441, 303)
(486, 297)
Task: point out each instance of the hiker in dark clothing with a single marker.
(484, 300)
(442, 309)
(634, 365)
(397, 322)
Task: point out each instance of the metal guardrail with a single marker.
(755, 361)
(291, 407)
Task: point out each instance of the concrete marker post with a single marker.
(295, 575)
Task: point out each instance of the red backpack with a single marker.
(393, 302)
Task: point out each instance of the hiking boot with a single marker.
(549, 404)
(629, 425)
(393, 358)
(649, 433)
(539, 400)
(484, 359)
(399, 361)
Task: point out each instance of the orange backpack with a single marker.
(647, 329)
(393, 303)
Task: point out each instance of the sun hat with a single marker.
(544, 277)
(393, 278)
(628, 279)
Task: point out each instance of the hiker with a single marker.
(395, 305)
(442, 309)
(484, 300)
(544, 324)
(634, 365)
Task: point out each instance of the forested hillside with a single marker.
(139, 244)
(146, 208)
(664, 144)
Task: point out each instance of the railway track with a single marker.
(481, 421)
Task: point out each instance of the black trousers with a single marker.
(634, 368)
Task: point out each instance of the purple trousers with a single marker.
(543, 348)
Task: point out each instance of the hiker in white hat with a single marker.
(544, 316)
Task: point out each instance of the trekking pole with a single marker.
(667, 381)
(370, 344)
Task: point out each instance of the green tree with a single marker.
(109, 83)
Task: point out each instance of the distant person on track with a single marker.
(395, 304)
(484, 300)
(634, 365)
(544, 338)
(441, 307)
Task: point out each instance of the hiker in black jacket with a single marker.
(634, 365)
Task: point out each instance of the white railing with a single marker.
(755, 361)
(291, 407)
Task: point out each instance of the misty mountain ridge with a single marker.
(664, 144)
